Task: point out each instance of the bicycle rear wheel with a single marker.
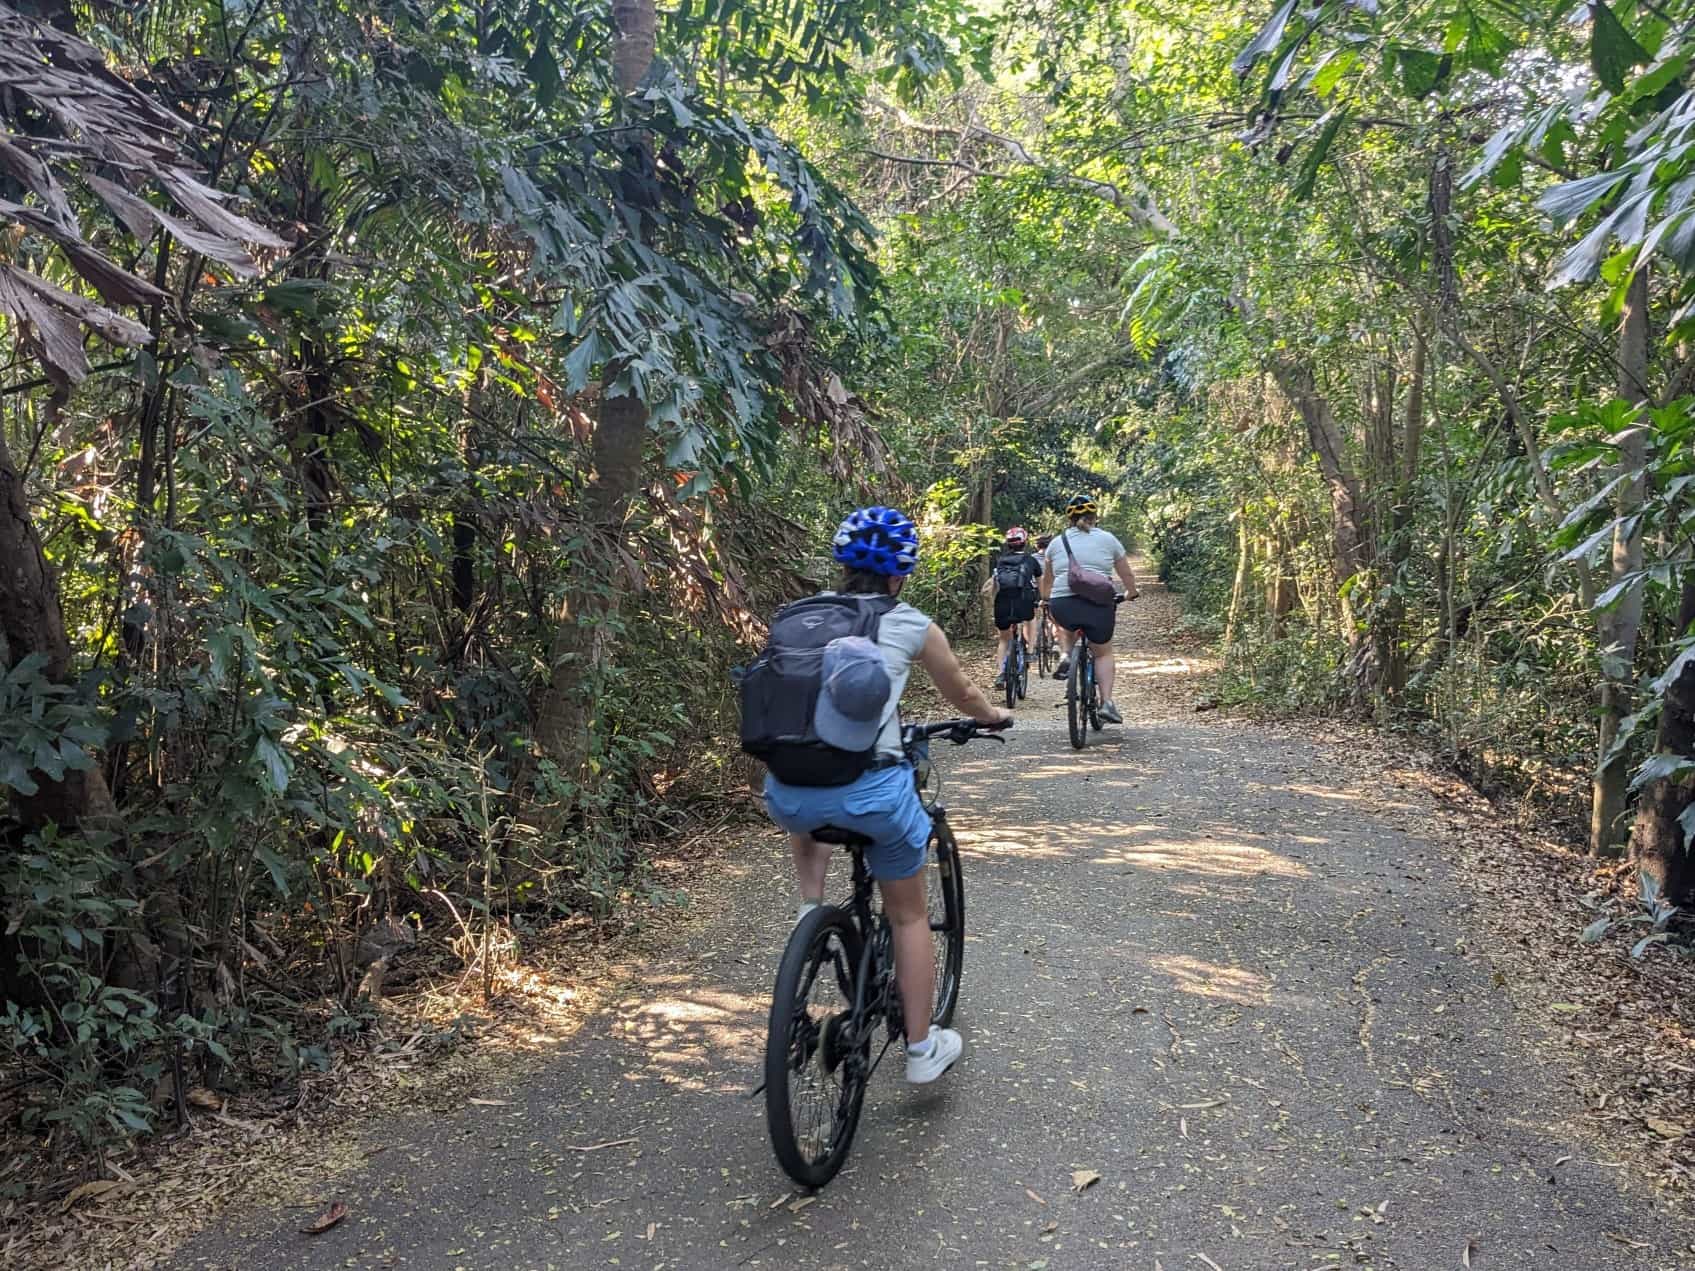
(817, 1053)
(1009, 675)
(947, 919)
(1044, 649)
(1023, 667)
(1076, 704)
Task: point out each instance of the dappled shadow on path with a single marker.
(1196, 965)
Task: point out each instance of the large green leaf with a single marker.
(1328, 127)
(1566, 202)
(1422, 72)
(1612, 49)
(1269, 37)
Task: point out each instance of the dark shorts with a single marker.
(1097, 621)
(1013, 607)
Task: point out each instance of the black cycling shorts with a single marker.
(1097, 621)
(1013, 607)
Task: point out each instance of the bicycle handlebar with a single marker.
(1118, 599)
(959, 731)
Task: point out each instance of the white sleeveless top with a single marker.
(900, 636)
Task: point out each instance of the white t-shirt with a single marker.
(900, 636)
(1095, 549)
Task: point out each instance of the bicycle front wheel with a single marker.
(1076, 703)
(817, 1052)
(947, 920)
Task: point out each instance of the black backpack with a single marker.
(779, 690)
(1012, 572)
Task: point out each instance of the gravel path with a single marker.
(1204, 963)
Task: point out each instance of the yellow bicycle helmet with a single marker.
(1081, 505)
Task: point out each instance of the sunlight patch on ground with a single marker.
(1211, 857)
(1170, 666)
(686, 1038)
(1213, 980)
(990, 843)
(1331, 795)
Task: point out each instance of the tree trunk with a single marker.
(1324, 435)
(1351, 518)
(31, 622)
(1399, 474)
(464, 516)
(1282, 590)
(565, 711)
(565, 716)
(1239, 588)
(634, 27)
(1657, 841)
(1618, 629)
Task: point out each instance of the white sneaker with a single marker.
(945, 1047)
(806, 908)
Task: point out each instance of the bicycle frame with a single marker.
(876, 968)
(794, 1035)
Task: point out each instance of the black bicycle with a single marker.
(1047, 648)
(1017, 668)
(1082, 690)
(836, 987)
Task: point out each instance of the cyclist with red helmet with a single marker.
(859, 710)
(1016, 573)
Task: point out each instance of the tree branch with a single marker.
(1137, 204)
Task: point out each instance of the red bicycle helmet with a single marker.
(1017, 536)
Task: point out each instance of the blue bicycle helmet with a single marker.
(879, 541)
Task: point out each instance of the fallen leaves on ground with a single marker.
(99, 1187)
(1083, 1179)
(324, 1221)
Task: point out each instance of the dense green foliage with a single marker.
(332, 531)
(410, 412)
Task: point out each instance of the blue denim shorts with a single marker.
(883, 805)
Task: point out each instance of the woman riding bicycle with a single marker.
(877, 548)
(1015, 578)
(1091, 548)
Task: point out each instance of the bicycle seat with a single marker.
(840, 837)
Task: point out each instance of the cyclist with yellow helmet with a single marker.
(1089, 548)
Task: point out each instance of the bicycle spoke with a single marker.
(819, 1076)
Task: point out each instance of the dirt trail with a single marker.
(1214, 964)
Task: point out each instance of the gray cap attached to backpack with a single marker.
(855, 693)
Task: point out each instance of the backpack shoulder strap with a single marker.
(873, 609)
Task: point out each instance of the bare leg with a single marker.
(1003, 640)
(908, 910)
(1106, 670)
(812, 866)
